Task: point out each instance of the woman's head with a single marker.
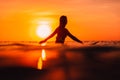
(63, 20)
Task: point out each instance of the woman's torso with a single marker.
(61, 35)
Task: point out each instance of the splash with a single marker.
(43, 44)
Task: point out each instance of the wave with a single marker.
(34, 45)
(69, 43)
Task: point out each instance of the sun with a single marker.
(43, 30)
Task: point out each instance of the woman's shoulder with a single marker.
(63, 29)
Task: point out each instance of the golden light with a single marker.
(43, 55)
(43, 29)
(40, 63)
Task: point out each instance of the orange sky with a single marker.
(87, 19)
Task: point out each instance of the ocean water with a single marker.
(28, 60)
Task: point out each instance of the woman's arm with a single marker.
(74, 38)
(50, 36)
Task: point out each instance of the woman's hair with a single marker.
(63, 20)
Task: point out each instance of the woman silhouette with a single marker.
(61, 32)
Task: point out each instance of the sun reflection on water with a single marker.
(43, 54)
(41, 59)
(39, 63)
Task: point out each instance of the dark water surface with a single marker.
(91, 61)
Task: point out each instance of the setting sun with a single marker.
(43, 30)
